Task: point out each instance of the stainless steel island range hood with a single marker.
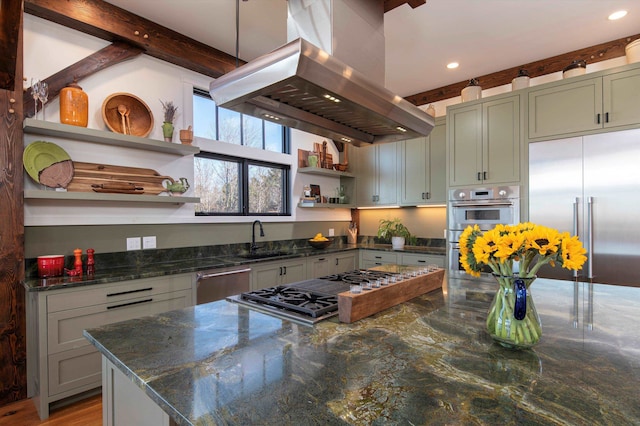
(306, 87)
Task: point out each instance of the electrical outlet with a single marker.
(149, 242)
(133, 243)
(331, 232)
(444, 233)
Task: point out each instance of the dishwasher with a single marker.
(216, 284)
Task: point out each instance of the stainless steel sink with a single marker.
(263, 254)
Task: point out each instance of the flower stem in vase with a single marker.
(502, 324)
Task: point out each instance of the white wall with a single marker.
(49, 48)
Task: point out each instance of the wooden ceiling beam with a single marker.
(108, 22)
(593, 54)
(392, 4)
(103, 58)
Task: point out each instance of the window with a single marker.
(238, 186)
(232, 185)
(212, 122)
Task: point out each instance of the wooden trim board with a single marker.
(354, 307)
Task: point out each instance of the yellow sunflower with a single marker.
(545, 240)
(572, 253)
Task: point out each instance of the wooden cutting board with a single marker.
(92, 177)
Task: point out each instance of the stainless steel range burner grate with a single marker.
(306, 302)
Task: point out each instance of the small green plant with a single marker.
(393, 228)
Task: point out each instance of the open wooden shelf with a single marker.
(47, 128)
(324, 172)
(95, 196)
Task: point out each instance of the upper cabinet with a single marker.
(484, 139)
(377, 175)
(423, 168)
(565, 109)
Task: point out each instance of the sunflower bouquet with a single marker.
(527, 246)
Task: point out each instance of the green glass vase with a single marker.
(513, 320)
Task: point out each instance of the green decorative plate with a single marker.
(39, 155)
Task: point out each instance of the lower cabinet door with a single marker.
(294, 272)
(73, 363)
(344, 262)
(77, 370)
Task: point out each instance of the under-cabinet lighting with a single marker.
(453, 65)
(378, 207)
(401, 129)
(432, 205)
(617, 15)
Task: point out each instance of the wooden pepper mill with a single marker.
(78, 262)
(91, 268)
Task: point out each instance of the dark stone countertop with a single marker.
(426, 361)
(159, 266)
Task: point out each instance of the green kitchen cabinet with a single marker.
(422, 259)
(373, 258)
(61, 362)
(423, 168)
(377, 175)
(271, 274)
(333, 263)
(564, 109)
(483, 142)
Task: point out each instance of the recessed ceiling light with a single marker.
(453, 65)
(617, 15)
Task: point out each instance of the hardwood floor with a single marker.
(87, 412)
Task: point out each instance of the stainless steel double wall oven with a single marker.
(485, 207)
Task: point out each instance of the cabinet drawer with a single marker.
(110, 293)
(379, 256)
(71, 370)
(64, 328)
(422, 259)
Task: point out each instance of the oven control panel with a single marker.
(491, 193)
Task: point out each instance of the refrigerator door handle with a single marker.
(576, 209)
(590, 232)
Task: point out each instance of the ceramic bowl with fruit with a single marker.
(320, 241)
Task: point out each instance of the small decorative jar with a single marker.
(632, 51)
(575, 68)
(472, 91)
(74, 105)
(521, 81)
(431, 110)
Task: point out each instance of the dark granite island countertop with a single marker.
(427, 361)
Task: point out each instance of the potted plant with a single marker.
(167, 125)
(394, 229)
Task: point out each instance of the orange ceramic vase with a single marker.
(74, 105)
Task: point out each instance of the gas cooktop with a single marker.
(310, 301)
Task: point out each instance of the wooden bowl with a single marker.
(341, 167)
(140, 117)
(320, 244)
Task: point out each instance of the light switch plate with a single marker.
(149, 242)
(133, 243)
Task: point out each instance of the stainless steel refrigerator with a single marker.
(590, 185)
